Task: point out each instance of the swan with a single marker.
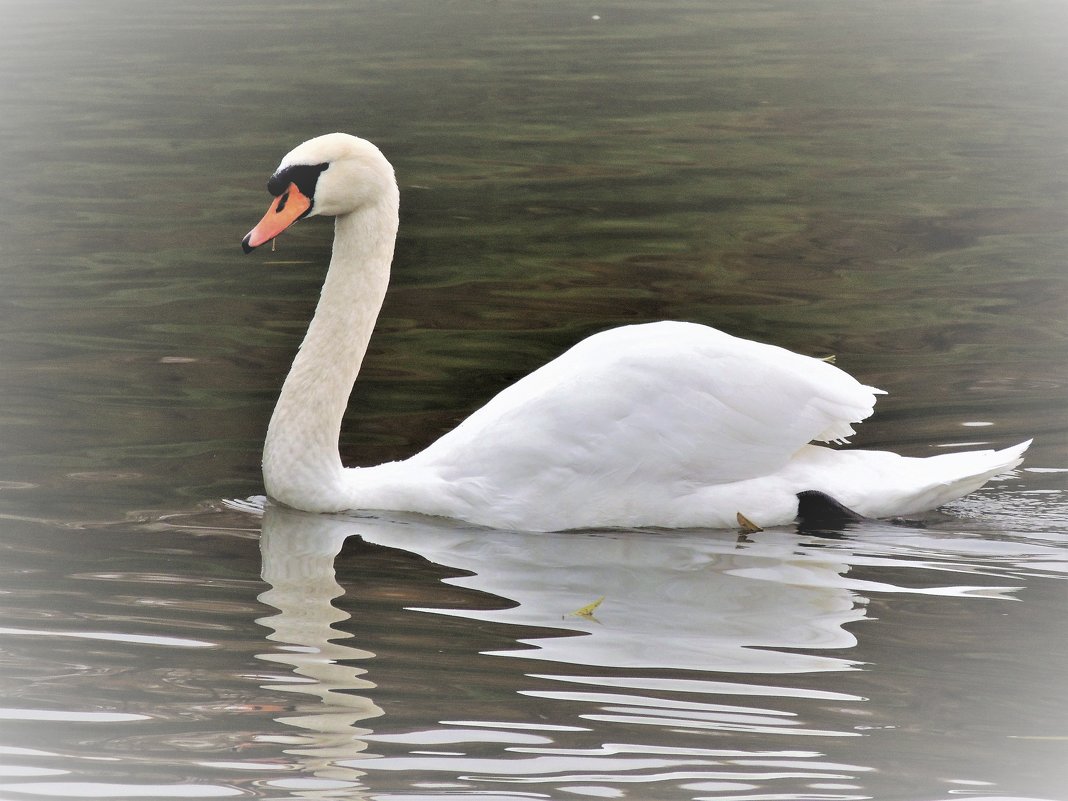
(665, 424)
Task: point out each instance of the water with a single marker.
(884, 183)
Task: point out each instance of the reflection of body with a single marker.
(665, 424)
(680, 602)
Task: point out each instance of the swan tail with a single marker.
(882, 484)
(961, 473)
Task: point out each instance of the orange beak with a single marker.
(286, 209)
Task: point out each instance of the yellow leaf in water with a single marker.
(588, 609)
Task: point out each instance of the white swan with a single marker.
(666, 424)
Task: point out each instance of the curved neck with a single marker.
(301, 464)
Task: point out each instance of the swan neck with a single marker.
(301, 463)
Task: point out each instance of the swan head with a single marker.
(333, 174)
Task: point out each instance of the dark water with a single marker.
(884, 182)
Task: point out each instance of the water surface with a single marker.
(887, 184)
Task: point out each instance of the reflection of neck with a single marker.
(301, 465)
(298, 553)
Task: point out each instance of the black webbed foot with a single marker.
(818, 511)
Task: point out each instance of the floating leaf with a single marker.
(748, 526)
(588, 609)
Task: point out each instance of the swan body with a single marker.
(666, 424)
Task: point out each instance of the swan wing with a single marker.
(653, 405)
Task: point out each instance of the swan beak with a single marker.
(286, 209)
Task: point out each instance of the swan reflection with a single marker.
(298, 562)
(741, 617)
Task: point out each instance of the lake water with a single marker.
(887, 183)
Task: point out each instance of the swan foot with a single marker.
(747, 525)
(819, 511)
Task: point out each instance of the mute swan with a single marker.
(667, 424)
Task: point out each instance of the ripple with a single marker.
(22, 770)
(107, 636)
(68, 716)
(701, 686)
(71, 790)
